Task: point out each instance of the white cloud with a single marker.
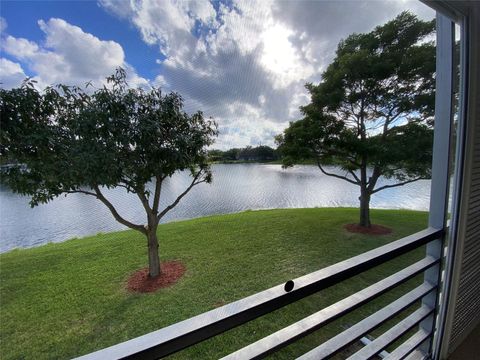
(215, 59)
(88, 55)
(69, 56)
(20, 48)
(282, 59)
(236, 128)
(201, 10)
(11, 74)
(167, 24)
(242, 26)
(3, 24)
(247, 63)
(320, 25)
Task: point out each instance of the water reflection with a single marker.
(235, 187)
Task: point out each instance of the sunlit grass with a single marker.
(68, 299)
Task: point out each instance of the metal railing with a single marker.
(189, 332)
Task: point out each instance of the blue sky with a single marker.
(22, 19)
(244, 63)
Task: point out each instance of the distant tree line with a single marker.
(259, 153)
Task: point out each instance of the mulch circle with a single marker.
(141, 282)
(372, 230)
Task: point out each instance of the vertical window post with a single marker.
(440, 164)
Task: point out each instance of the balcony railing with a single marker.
(189, 332)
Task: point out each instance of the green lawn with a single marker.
(65, 300)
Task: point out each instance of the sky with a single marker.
(243, 63)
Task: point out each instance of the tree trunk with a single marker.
(365, 209)
(364, 193)
(153, 257)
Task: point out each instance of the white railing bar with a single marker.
(291, 333)
(366, 340)
(409, 346)
(380, 343)
(338, 342)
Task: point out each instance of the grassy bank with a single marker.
(68, 299)
(267, 162)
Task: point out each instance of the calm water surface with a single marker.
(235, 187)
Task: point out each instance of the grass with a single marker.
(67, 299)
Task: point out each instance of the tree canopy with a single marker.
(372, 113)
(71, 140)
(260, 153)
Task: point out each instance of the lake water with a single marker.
(235, 187)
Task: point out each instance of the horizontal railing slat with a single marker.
(345, 338)
(408, 346)
(201, 327)
(313, 322)
(394, 333)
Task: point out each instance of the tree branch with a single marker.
(143, 199)
(354, 175)
(335, 175)
(372, 181)
(398, 184)
(115, 213)
(172, 205)
(81, 192)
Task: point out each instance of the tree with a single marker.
(232, 154)
(266, 153)
(215, 155)
(371, 114)
(69, 140)
(249, 153)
